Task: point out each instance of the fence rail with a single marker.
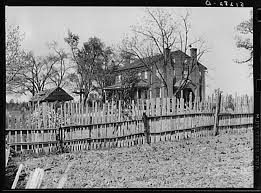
(116, 124)
(125, 134)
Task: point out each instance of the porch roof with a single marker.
(188, 84)
(141, 84)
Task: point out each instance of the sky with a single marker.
(217, 25)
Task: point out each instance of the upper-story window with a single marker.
(158, 73)
(185, 73)
(158, 94)
(145, 94)
(118, 79)
(139, 74)
(139, 94)
(145, 75)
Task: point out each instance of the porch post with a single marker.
(203, 86)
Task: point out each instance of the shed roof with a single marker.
(51, 95)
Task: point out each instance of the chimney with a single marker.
(166, 53)
(193, 54)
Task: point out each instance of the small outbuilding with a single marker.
(51, 95)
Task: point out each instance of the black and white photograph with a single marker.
(128, 97)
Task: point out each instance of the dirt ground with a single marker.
(224, 161)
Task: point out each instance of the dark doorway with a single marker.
(186, 92)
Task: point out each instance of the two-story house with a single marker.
(174, 71)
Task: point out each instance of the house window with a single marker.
(118, 79)
(185, 73)
(173, 60)
(145, 94)
(145, 75)
(174, 72)
(158, 72)
(157, 92)
(139, 74)
(139, 94)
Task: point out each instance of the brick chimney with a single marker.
(193, 54)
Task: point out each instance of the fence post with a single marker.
(146, 128)
(60, 139)
(216, 132)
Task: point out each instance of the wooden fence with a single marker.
(116, 124)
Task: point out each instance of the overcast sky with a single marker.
(110, 24)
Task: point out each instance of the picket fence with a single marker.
(117, 124)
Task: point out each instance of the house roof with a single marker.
(51, 95)
(138, 64)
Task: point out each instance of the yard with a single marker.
(224, 161)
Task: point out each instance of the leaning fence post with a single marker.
(215, 130)
(146, 128)
(35, 179)
(7, 154)
(17, 176)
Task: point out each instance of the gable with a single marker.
(179, 53)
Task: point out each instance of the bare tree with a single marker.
(27, 73)
(162, 31)
(61, 69)
(184, 43)
(37, 74)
